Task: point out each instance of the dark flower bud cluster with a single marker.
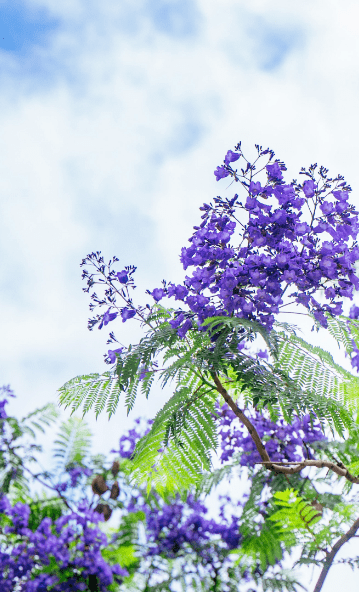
(279, 238)
(283, 442)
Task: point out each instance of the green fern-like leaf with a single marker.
(39, 419)
(264, 546)
(284, 581)
(323, 387)
(295, 515)
(338, 328)
(92, 390)
(73, 442)
(176, 451)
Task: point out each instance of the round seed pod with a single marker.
(317, 506)
(115, 491)
(105, 510)
(99, 485)
(115, 467)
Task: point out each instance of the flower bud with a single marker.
(99, 485)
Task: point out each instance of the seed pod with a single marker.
(115, 467)
(115, 491)
(105, 510)
(317, 506)
(99, 485)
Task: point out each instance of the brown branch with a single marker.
(281, 467)
(278, 467)
(243, 419)
(330, 557)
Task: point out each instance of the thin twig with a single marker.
(330, 557)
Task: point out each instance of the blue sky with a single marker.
(23, 26)
(113, 116)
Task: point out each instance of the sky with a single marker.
(113, 116)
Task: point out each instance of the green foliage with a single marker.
(73, 442)
(44, 507)
(295, 515)
(322, 385)
(13, 477)
(341, 328)
(177, 449)
(39, 419)
(90, 390)
(284, 580)
(300, 379)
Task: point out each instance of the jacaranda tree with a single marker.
(250, 396)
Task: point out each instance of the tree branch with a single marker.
(281, 467)
(330, 557)
(243, 419)
(278, 467)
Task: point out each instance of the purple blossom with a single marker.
(143, 373)
(179, 292)
(122, 276)
(158, 294)
(76, 473)
(309, 188)
(221, 172)
(274, 172)
(73, 541)
(244, 270)
(284, 442)
(111, 354)
(127, 313)
(3, 414)
(231, 157)
(354, 312)
(107, 318)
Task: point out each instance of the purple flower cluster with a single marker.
(181, 526)
(245, 256)
(129, 440)
(283, 442)
(73, 541)
(354, 358)
(178, 527)
(74, 474)
(7, 392)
